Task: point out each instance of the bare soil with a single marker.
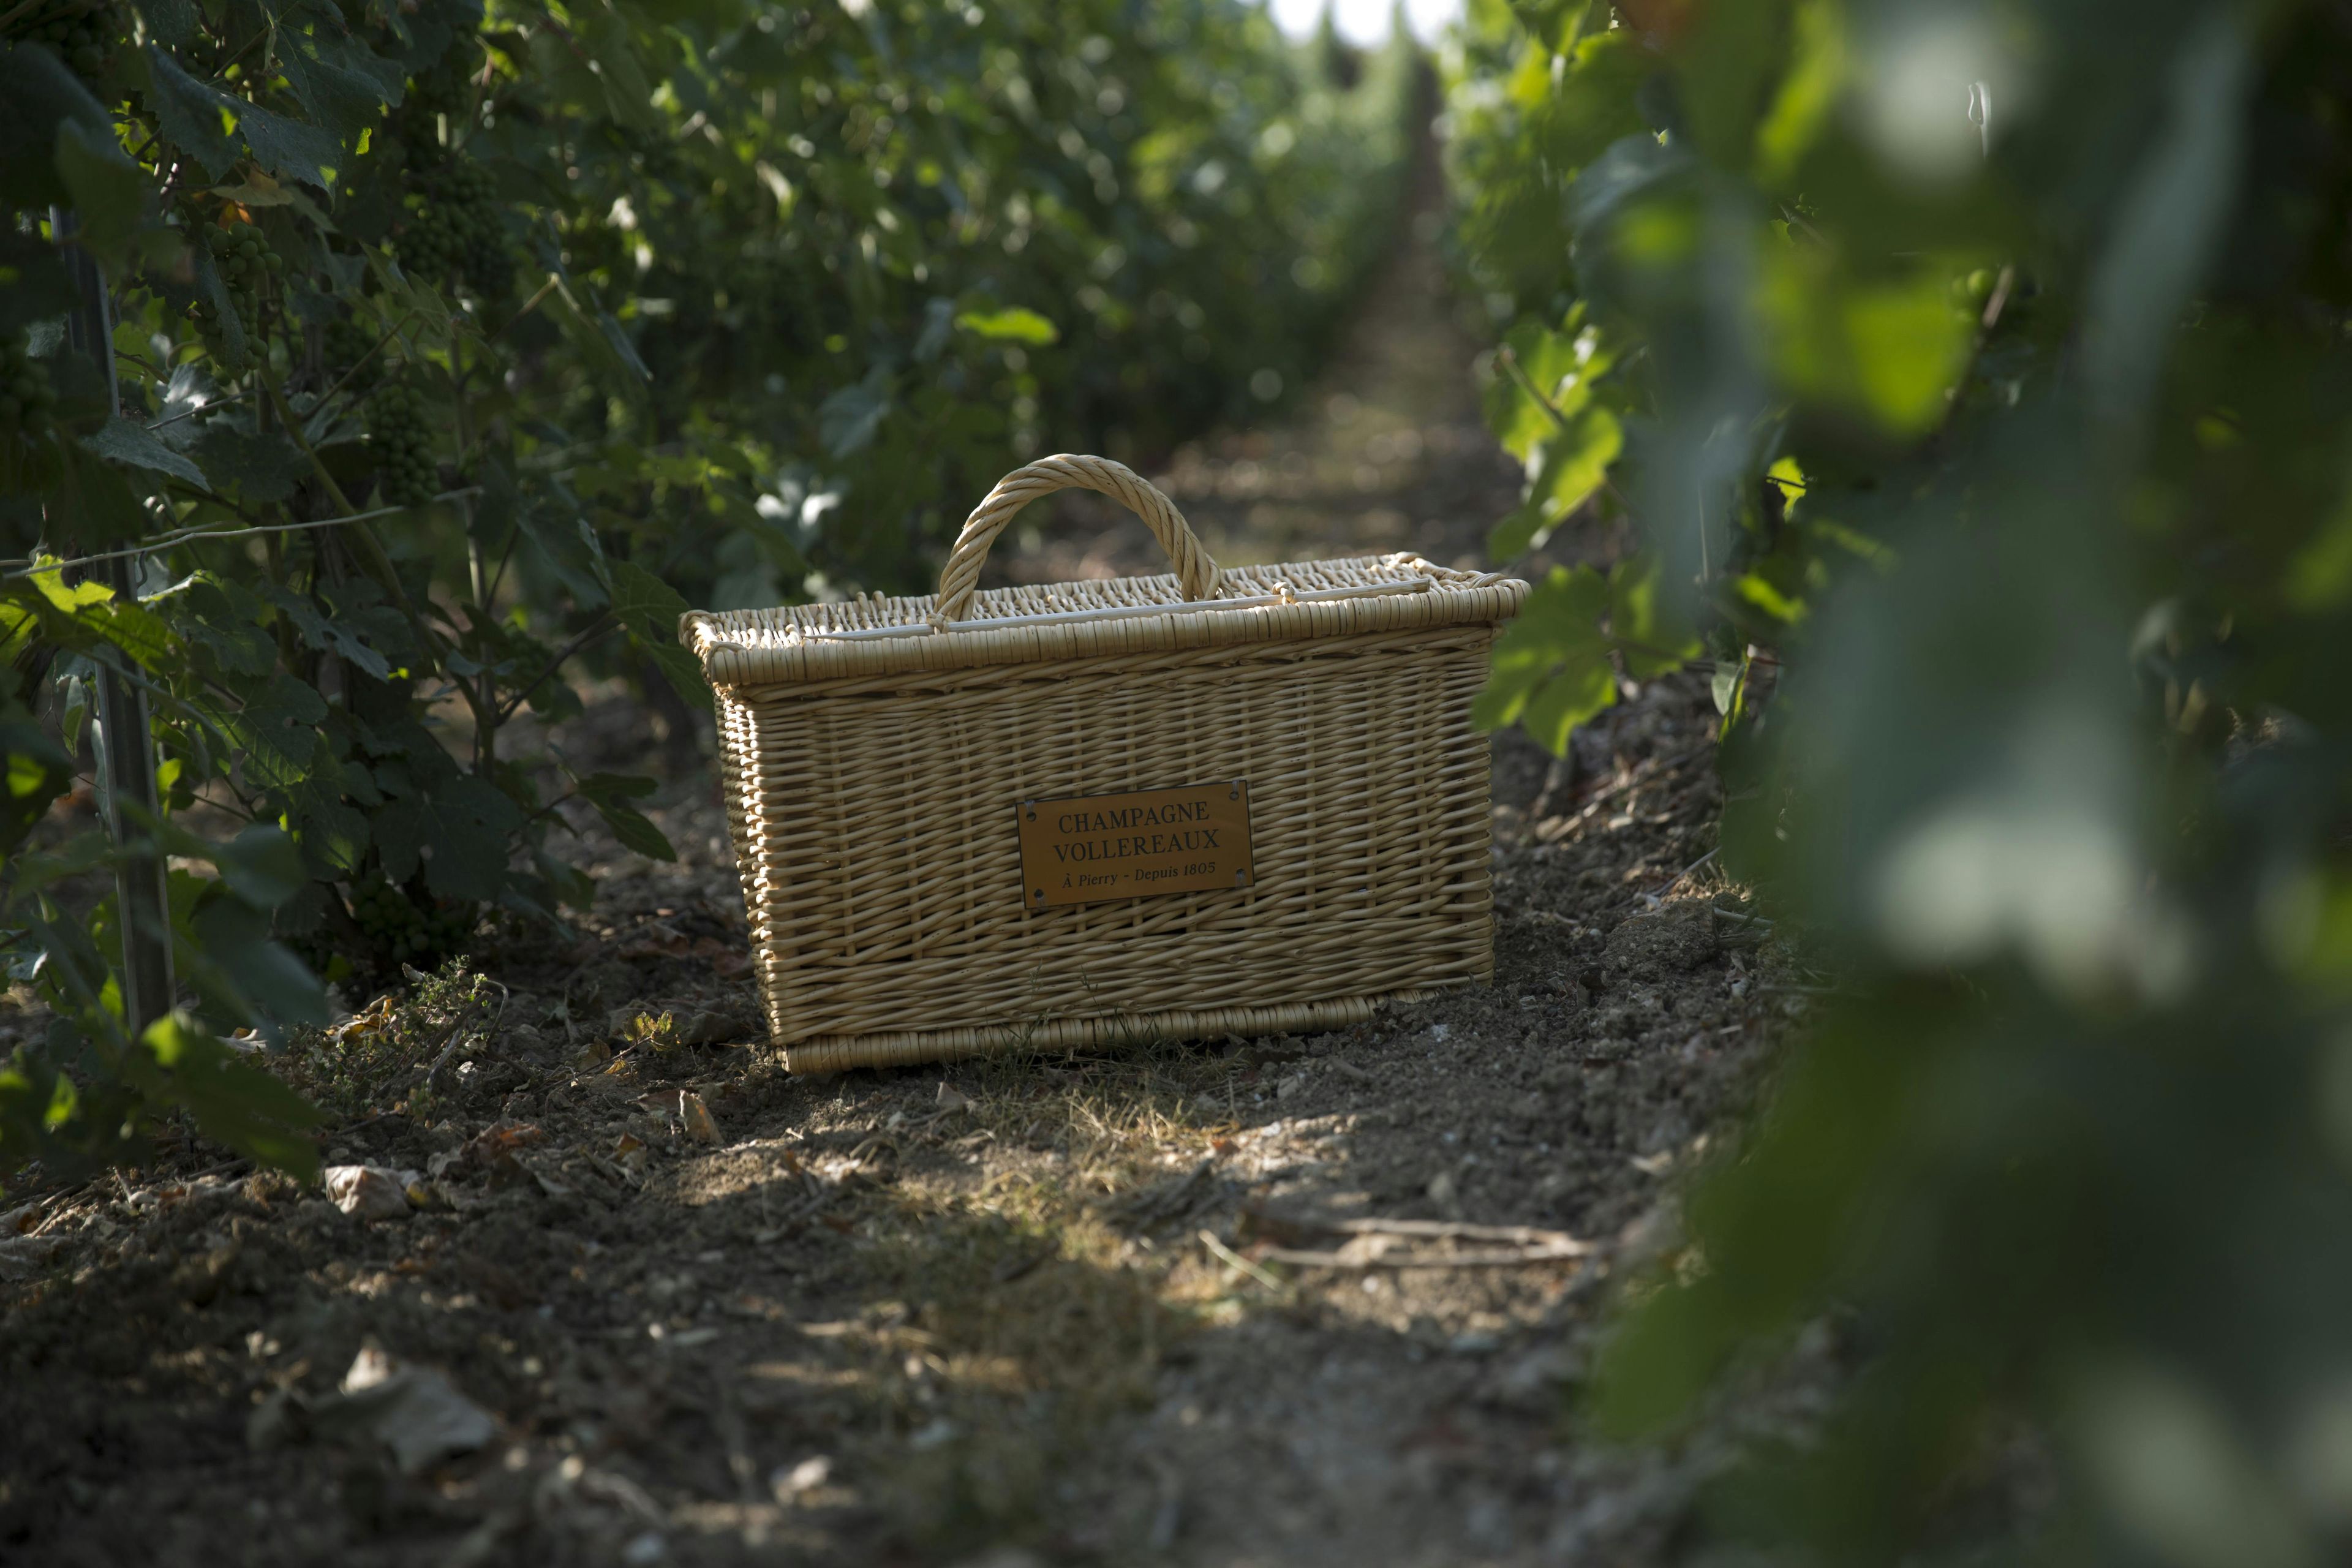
(1092, 1310)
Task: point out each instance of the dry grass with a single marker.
(1022, 1314)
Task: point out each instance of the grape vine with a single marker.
(82, 32)
(2007, 446)
(401, 438)
(456, 228)
(408, 925)
(648, 302)
(254, 274)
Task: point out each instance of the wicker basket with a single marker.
(884, 760)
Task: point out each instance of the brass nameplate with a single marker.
(1086, 849)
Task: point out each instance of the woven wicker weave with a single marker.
(873, 753)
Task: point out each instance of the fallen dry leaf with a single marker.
(700, 1124)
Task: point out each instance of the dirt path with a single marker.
(1387, 452)
(1007, 1313)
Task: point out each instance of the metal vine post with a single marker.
(125, 744)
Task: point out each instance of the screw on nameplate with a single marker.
(1092, 849)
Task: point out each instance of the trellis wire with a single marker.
(192, 536)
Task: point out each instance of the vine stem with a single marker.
(602, 625)
(327, 396)
(368, 547)
(201, 408)
(1527, 383)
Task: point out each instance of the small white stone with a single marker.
(369, 1191)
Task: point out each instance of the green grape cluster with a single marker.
(254, 275)
(27, 401)
(79, 31)
(440, 87)
(346, 341)
(402, 441)
(410, 929)
(458, 229)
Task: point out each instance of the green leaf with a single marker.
(107, 191)
(37, 773)
(98, 498)
(644, 603)
(415, 300)
(1542, 379)
(38, 98)
(233, 1103)
(848, 421)
(563, 539)
(1808, 92)
(172, 22)
(287, 148)
(458, 830)
(680, 667)
(1758, 590)
(1648, 636)
(261, 865)
(1596, 102)
(2319, 577)
(1565, 471)
(1890, 350)
(332, 833)
(278, 731)
(343, 87)
(198, 119)
(1725, 72)
(218, 614)
(1011, 324)
(273, 985)
(125, 440)
(610, 794)
(619, 70)
(603, 348)
(257, 468)
(88, 618)
(213, 289)
(335, 634)
(1551, 666)
(1579, 690)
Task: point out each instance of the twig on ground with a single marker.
(1527, 1244)
(1610, 792)
(1519, 1235)
(453, 1031)
(1226, 1255)
(727, 1417)
(1528, 1255)
(571, 1033)
(1680, 877)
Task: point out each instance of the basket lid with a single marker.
(1197, 604)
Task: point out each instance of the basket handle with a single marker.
(960, 578)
